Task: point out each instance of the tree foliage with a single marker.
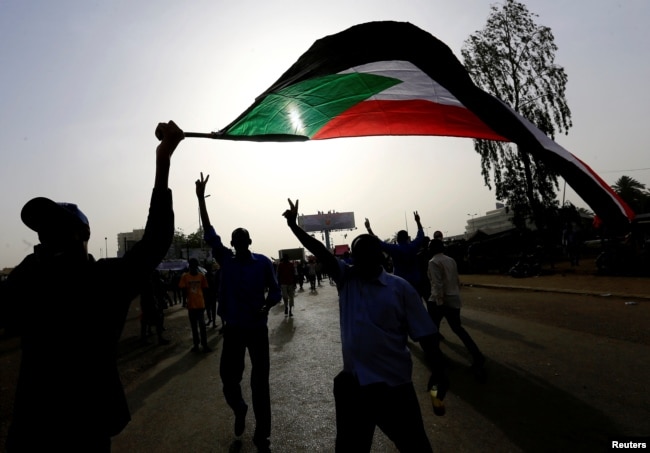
(192, 240)
(633, 193)
(513, 58)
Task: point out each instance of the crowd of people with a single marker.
(388, 292)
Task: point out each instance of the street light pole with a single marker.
(106, 246)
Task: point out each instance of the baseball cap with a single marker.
(42, 214)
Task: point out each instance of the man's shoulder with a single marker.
(448, 258)
(389, 278)
(439, 257)
(392, 279)
(261, 257)
(29, 264)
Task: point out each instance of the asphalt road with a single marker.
(557, 381)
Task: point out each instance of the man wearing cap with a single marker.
(69, 396)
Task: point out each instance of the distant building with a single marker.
(126, 241)
(492, 222)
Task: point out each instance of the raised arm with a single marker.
(310, 243)
(140, 260)
(417, 221)
(200, 194)
(367, 225)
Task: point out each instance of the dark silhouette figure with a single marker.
(211, 294)
(249, 288)
(287, 279)
(69, 396)
(404, 252)
(152, 305)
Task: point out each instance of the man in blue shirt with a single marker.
(378, 312)
(404, 252)
(244, 305)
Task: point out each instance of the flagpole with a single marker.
(201, 134)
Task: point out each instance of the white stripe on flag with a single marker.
(415, 83)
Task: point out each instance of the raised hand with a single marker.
(169, 132)
(200, 186)
(170, 135)
(416, 216)
(291, 214)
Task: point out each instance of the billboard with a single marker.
(327, 221)
(297, 254)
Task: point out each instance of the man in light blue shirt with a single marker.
(378, 312)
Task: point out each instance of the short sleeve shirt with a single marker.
(195, 285)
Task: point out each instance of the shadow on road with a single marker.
(532, 413)
(172, 362)
(282, 334)
(497, 332)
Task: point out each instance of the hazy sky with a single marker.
(83, 85)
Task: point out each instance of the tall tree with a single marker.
(513, 58)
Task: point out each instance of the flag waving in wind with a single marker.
(378, 98)
(392, 78)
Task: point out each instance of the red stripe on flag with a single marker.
(410, 117)
(629, 213)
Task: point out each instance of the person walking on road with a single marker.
(69, 396)
(248, 290)
(378, 312)
(287, 280)
(194, 283)
(152, 307)
(311, 275)
(444, 301)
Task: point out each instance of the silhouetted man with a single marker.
(70, 310)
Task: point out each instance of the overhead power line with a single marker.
(630, 170)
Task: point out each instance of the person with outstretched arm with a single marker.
(69, 311)
(248, 289)
(378, 312)
(404, 252)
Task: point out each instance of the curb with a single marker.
(558, 290)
